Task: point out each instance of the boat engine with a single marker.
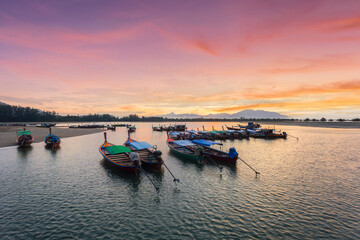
(135, 158)
(157, 154)
(232, 153)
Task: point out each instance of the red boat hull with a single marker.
(24, 143)
(221, 158)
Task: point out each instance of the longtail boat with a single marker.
(120, 157)
(24, 138)
(131, 128)
(52, 141)
(149, 156)
(46, 125)
(186, 149)
(215, 154)
(157, 128)
(111, 127)
(267, 134)
(232, 127)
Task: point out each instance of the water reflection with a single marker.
(23, 152)
(117, 173)
(53, 152)
(157, 174)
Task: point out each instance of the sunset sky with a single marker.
(299, 58)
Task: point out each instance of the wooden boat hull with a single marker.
(112, 162)
(269, 136)
(218, 155)
(147, 156)
(24, 142)
(52, 141)
(52, 145)
(220, 158)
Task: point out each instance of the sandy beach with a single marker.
(8, 133)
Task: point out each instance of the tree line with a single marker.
(10, 113)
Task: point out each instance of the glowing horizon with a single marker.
(300, 59)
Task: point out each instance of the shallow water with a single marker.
(308, 189)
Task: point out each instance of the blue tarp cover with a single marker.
(251, 131)
(184, 143)
(205, 142)
(141, 145)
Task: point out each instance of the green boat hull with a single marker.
(187, 156)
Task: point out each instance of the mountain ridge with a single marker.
(247, 113)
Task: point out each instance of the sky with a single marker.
(298, 58)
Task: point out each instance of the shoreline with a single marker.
(8, 133)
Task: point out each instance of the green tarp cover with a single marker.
(117, 149)
(23, 133)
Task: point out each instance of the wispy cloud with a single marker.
(352, 86)
(340, 24)
(300, 65)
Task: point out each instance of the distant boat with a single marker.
(215, 154)
(267, 134)
(52, 141)
(46, 125)
(131, 128)
(148, 155)
(24, 138)
(111, 127)
(185, 149)
(157, 128)
(233, 128)
(120, 157)
(92, 126)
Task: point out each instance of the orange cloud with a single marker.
(340, 24)
(330, 63)
(204, 46)
(187, 42)
(322, 105)
(335, 87)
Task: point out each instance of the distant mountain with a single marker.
(185, 115)
(248, 113)
(2, 103)
(219, 115)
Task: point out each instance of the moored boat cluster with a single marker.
(234, 132)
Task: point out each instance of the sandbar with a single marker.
(8, 133)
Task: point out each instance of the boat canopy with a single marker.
(19, 133)
(250, 131)
(183, 143)
(140, 145)
(52, 138)
(116, 149)
(205, 142)
(192, 131)
(178, 133)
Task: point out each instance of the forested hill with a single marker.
(10, 113)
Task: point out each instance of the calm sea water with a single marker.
(308, 189)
